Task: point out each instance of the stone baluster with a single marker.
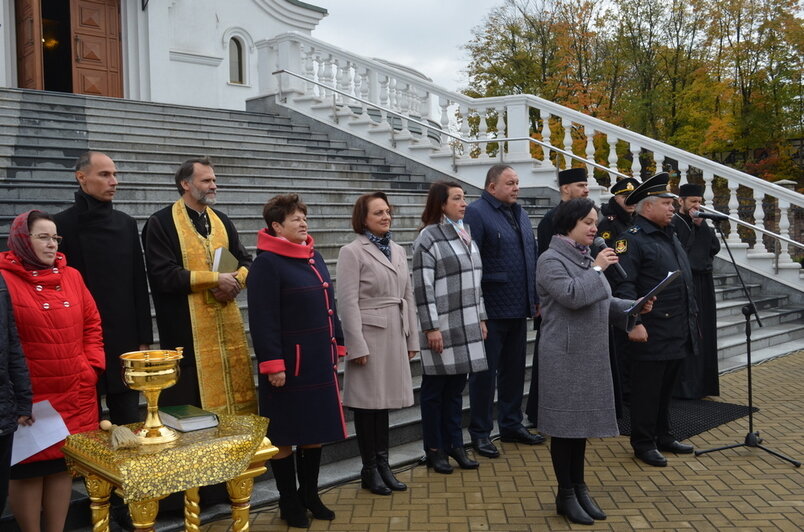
(502, 128)
(636, 164)
(567, 125)
(683, 169)
(443, 104)
(364, 92)
(346, 82)
(309, 71)
(465, 130)
(709, 189)
(393, 98)
(403, 95)
(384, 83)
(612, 140)
(325, 75)
(784, 230)
(734, 211)
(482, 133)
(658, 160)
(589, 132)
(759, 221)
(545, 116)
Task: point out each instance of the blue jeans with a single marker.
(505, 351)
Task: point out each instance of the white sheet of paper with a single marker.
(49, 428)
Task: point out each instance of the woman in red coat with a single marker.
(60, 331)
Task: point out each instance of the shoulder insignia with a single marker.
(634, 229)
(610, 218)
(621, 246)
(606, 235)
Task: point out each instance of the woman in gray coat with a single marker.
(378, 316)
(576, 394)
(446, 283)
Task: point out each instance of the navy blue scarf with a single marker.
(384, 243)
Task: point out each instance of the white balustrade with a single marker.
(415, 98)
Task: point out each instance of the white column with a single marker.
(518, 126)
(612, 140)
(636, 164)
(590, 149)
(759, 221)
(567, 125)
(545, 116)
(784, 230)
(734, 204)
(8, 46)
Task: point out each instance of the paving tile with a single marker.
(736, 489)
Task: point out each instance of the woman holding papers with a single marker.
(298, 341)
(375, 301)
(576, 395)
(60, 331)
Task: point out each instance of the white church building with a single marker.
(188, 52)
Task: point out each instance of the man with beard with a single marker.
(572, 183)
(668, 334)
(617, 216)
(103, 244)
(699, 375)
(195, 306)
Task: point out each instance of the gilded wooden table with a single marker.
(233, 452)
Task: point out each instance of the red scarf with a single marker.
(19, 241)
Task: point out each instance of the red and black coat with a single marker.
(60, 331)
(295, 329)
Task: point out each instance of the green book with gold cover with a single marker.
(187, 418)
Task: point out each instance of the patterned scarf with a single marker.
(19, 241)
(383, 243)
(585, 250)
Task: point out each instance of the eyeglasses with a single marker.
(44, 237)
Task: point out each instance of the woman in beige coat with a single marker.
(378, 314)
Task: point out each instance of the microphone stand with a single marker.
(752, 439)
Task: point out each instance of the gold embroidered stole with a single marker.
(222, 356)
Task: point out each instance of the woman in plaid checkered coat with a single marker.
(446, 283)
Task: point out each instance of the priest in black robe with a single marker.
(103, 244)
(195, 306)
(699, 374)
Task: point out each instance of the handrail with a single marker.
(752, 226)
(447, 133)
(545, 145)
(578, 117)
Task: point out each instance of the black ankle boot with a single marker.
(438, 461)
(459, 455)
(371, 480)
(290, 505)
(308, 462)
(567, 505)
(381, 441)
(588, 503)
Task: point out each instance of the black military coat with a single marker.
(699, 241)
(615, 220)
(647, 253)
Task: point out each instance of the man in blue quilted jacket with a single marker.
(502, 231)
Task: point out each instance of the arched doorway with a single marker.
(69, 46)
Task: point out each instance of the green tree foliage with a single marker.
(709, 76)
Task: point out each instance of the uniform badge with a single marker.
(621, 246)
(606, 235)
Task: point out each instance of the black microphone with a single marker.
(599, 245)
(716, 216)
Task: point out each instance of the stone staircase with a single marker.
(256, 156)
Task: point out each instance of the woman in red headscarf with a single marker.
(60, 331)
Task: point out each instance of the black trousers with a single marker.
(568, 456)
(441, 404)
(652, 384)
(6, 440)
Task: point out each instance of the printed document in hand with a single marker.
(671, 276)
(48, 429)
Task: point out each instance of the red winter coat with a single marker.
(60, 331)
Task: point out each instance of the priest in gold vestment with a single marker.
(195, 306)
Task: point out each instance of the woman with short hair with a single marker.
(297, 338)
(576, 392)
(446, 282)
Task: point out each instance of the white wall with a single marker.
(8, 45)
(176, 51)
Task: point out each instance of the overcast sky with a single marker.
(427, 35)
